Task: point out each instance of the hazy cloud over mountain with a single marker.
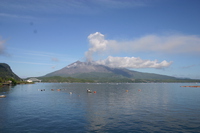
(133, 62)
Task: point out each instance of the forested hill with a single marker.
(6, 72)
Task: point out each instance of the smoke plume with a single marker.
(97, 45)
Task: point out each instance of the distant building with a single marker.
(33, 80)
(29, 81)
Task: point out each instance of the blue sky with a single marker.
(156, 36)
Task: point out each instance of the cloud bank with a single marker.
(132, 62)
(172, 44)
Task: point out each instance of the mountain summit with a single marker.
(81, 68)
(93, 71)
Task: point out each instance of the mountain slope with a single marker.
(79, 67)
(6, 72)
(99, 72)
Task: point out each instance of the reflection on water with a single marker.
(64, 107)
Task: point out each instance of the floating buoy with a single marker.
(126, 90)
(139, 90)
(95, 92)
(58, 89)
(70, 92)
(2, 96)
(52, 89)
(89, 91)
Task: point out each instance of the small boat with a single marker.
(2, 96)
(89, 91)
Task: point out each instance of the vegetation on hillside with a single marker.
(6, 72)
(110, 77)
(7, 77)
(113, 79)
(11, 81)
(64, 79)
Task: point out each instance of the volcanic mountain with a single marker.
(93, 71)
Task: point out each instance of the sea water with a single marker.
(115, 107)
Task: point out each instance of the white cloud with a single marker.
(2, 46)
(53, 67)
(55, 59)
(170, 44)
(16, 16)
(132, 62)
(65, 6)
(175, 44)
(119, 4)
(166, 44)
(34, 63)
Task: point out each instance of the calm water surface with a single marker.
(113, 108)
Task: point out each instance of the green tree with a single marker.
(14, 82)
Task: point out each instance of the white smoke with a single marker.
(97, 45)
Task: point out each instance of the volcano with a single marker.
(94, 71)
